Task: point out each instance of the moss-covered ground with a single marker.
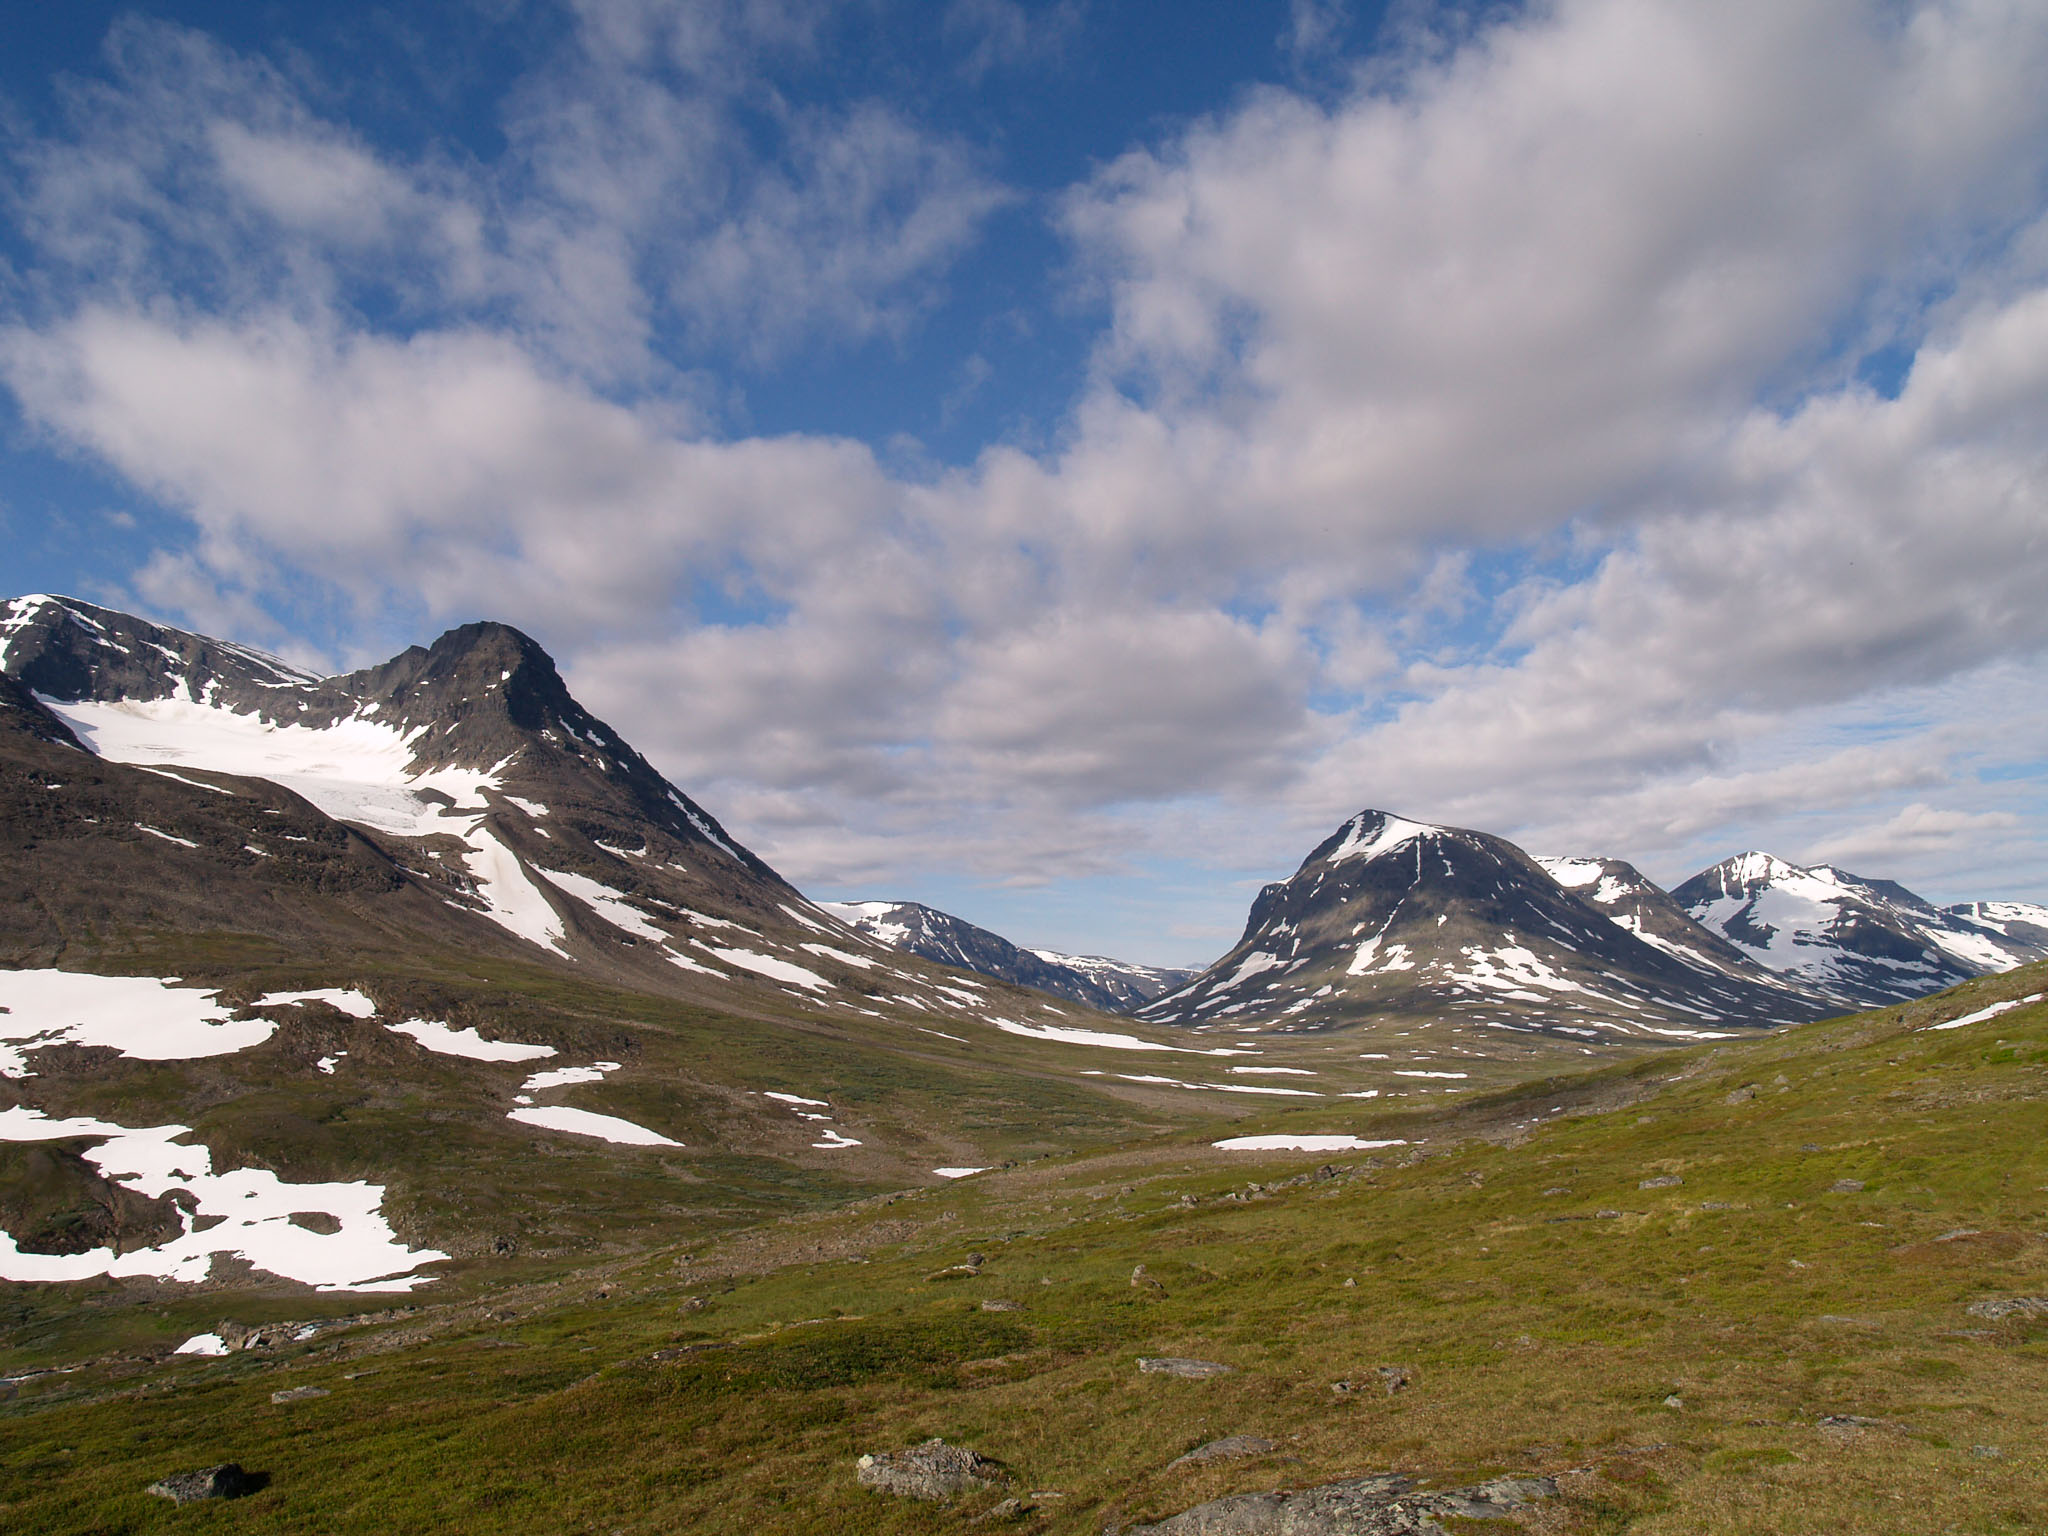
(1720, 1290)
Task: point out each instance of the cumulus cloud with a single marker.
(1485, 439)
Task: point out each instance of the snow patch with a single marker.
(1301, 1144)
(467, 1043)
(146, 1017)
(583, 1122)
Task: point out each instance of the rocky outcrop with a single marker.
(933, 1471)
(1363, 1506)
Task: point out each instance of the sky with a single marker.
(1057, 461)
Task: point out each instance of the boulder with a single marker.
(1193, 1370)
(1229, 1448)
(2009, 1306)
(226, 1481)
(1362, 1506)
(934, 1471)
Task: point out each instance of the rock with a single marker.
(298, 1394)
(1662, 1181)
(1846, 1187)
(934, 1471)
(1741, 1095)
(967, 1269)
(997, 1304)
(1674, 1401)
(1394, 1378)
(1363, 1506)
(1010, 1509)
(1193, 1370)
(1558, 1189)
(2009, 1306)
(692, 1304)
(1228, 1448)
(1140, 1281)
(226, 1481)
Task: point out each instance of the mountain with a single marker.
(430, 957)
(1389, 918)
(1111, 985)
(1854, 940)
(1131, 984)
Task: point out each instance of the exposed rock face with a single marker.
(1365, 1506)
(226, 1481)
(933, 1471)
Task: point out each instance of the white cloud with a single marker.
(1482, 443)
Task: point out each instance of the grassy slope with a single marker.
(1545, 1303)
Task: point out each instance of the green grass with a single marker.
(1540, 1334)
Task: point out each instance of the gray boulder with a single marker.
(933, 1470)
(1193, 1370)
(1229, 1448)
(226, 1481)
(1363, 1506)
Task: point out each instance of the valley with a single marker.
(409, 1095)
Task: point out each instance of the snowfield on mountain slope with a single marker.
(248, 1212)
(354, 770)
(1393, 832)
(145, 1017)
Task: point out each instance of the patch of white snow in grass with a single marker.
(1989, 1013)
(797, 1098)
(859, 962)
(771, 967)
(563, 1077)
(146, 1017)
(532, 808)
(327, 1064)
(1278, 1071)
(443, 1041)
(958, 1173)
(583, 1122)
(254, 1205)
(1071, 1035)
(1400, 1073)
(833, 1140)
(1301, 1144)
(202, 1344)
(347, 999)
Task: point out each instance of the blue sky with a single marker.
(1055, 461)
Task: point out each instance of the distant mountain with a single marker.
(1857, 941)
(1131, 984)
(1389, 918)
(1111, 985)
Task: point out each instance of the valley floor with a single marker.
(1777, 1285)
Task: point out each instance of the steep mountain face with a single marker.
(1855, 941)
(1392, 917)
(1622, 894)
(917, 929)
(456, 795)
(368, 944)
(1131, 984)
